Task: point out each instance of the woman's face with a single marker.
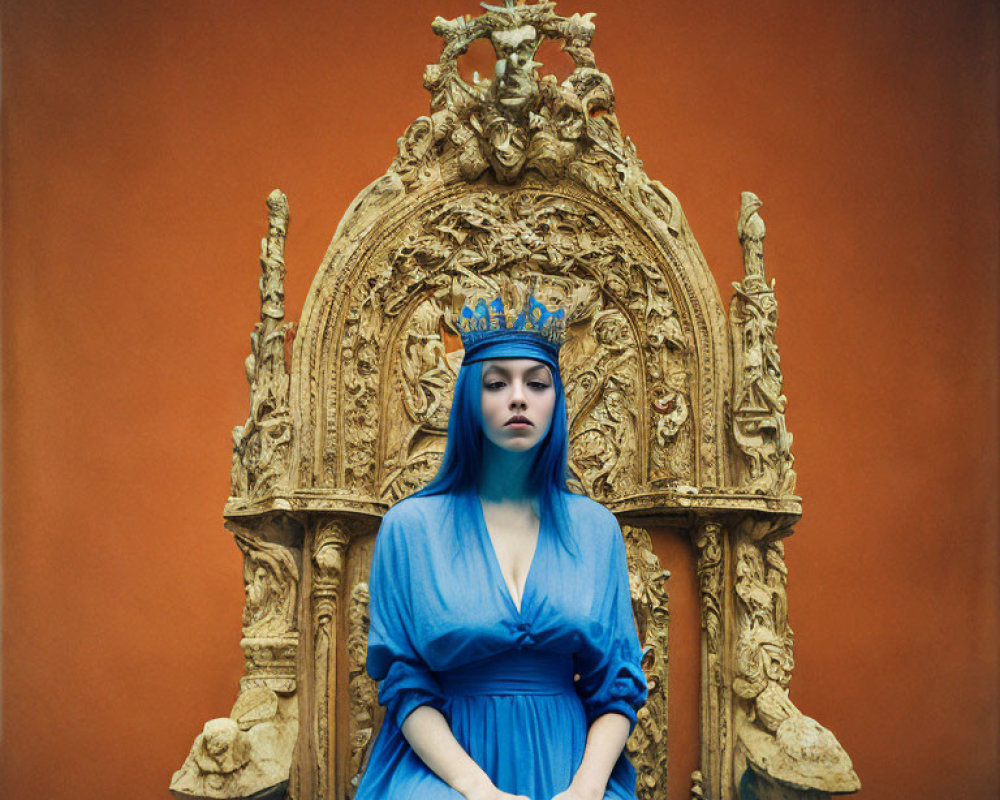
(518, 398)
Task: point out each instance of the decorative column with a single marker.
(712, 780)
(314, 771)
(329, 548)
(250, 752)
(647, 747)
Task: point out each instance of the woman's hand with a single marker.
(574, 793)
(491, 792)
(430, 736)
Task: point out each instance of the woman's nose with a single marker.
(517, 397)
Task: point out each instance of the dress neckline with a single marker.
(495, 560)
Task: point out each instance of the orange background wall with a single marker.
(139, 142)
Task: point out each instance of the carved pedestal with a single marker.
(250, 751)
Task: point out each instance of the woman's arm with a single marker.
(430, 736)
(605, 741)
(611, 682)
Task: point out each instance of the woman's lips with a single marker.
(518, 422)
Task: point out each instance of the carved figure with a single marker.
(426, 378)
(240, 755)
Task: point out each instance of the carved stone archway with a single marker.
(676, 420)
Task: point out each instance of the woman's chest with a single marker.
(464, 608)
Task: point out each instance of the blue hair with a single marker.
(459, 471)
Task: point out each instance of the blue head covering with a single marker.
(488, 331)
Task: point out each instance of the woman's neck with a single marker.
(503, 475)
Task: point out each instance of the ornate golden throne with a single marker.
(676, 421)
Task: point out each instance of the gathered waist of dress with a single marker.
(513, 672)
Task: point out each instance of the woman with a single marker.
(501, 623)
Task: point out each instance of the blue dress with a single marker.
(446, 633)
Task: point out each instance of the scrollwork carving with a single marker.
(671, 453)
(764, 648)
(758, 403)
(604, 395)
(626, 361)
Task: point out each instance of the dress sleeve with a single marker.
(405, 680)
(611, 676)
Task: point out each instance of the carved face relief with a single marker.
(258, 591)
(664, 328)
(506, 147)
(569, 121)
(222, 748)
(515, 82)
(218, 740)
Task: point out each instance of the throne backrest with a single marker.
(676, 417)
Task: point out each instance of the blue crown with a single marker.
(532, 326)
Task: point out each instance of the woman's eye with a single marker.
(538, 385)
(493, 385)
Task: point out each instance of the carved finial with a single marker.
(514, 119)
(758, 403)
(261, 445)
(272, 258)
(750, 225)
(277, 203)
(751, 231)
